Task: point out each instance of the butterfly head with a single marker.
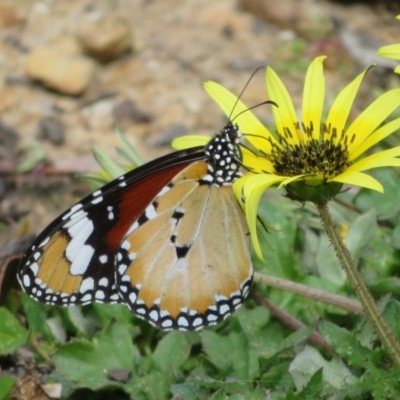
(224, 156)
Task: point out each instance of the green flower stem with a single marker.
(373, 314)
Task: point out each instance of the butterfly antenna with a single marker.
(244, 88)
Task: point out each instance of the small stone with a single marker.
(128, 110)
(52, 129)
(106, 38)
(60, 71)
(282, 13)
(10, 15)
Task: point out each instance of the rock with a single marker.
(106, 38)
(282, 13)
(10, 15)
(307, 17)
(52, 129)
(60, 71)
(128, 110)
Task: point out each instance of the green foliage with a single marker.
(12, 334)
(6, 385)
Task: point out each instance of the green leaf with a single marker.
(87, 363)
(328, 265)
(113, 169)
(36, 314)
(392, 317)
(6, 385)
(396, 237)
(128, 151)
(171, 352)
(313, 388)
(279, 248)
(387, 204)
(83, 322)
(217, 348)
(189, 390)
(361, 232)
(309, 361)
(344, 343)
(12, 334)
(153, 385)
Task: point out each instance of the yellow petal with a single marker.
(313, 97)
(391, 51)
(284, 114)
(238, 112)
(371, 118)
(188, 141)
(254, 163)
(248, 191)
(359, 179)
(375, 138)
(341, 107)
(381, 159)
(287, 181)
(397, 70)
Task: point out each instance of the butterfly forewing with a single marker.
(189, 264)
(73, 260)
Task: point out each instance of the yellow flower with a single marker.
(392, 51)
(308, 152)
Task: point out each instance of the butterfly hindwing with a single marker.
(189, 264)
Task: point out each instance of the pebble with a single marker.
(105, 38)
(128, 110)
(52, 129)
(60, 71)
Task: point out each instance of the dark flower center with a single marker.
(327, 156)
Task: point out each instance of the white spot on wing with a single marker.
(164, 190)
(27, 281)
(97, 200)
(166, 324)
(224, 309)
(133, 227)
(78, 226)
(34, 268)
(77, 244)
(86, 298)
(73, 209)
(103, 258)
(183, 322)
(154, 315)
(87, 284)
(45, 241)
(150, 212)
(82, 261)
(103, 282)
(133, 297)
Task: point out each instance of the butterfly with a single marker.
(168, 239)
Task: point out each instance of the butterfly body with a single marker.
(168, 240)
